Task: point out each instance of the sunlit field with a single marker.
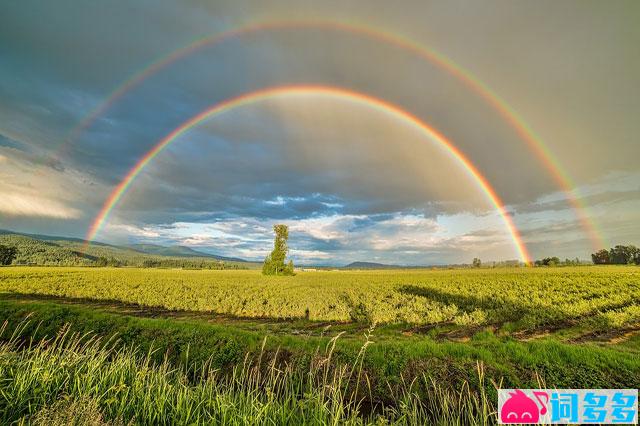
(408, 347)
(518, 298)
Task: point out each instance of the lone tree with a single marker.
(7, 254)
(274, 263)
(476, 262)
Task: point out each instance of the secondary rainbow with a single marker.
(280, 91)
(522, 128)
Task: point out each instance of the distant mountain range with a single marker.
(374, 265)
(364, 265)
(36, 249)
(179, 251)
(50, 237)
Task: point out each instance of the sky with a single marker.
(352, 181)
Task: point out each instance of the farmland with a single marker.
(519, 299)
(336, 346)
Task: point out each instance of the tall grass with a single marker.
(82, 379)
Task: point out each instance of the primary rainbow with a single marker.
(524, 130)
(278, 91)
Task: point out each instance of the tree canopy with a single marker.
(7, 254)
(618, 255)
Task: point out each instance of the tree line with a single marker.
(555, 261)
(618, 255)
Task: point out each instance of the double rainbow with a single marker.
(526, 133)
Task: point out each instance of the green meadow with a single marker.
(150, 346)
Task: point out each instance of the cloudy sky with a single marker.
(354, 182)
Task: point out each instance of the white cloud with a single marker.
(310, 255)
(20, 204)
(30, 188)
(130, 230)
(37, 186)
(324, 228)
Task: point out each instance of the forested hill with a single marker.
(368, 265)
(374, 265)
(179, 251)
(61, 251)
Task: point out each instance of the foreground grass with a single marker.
(390, 371)
(81, 379)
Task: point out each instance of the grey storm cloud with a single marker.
(355, 163)
(570, 70)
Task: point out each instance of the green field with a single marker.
(517, 299)
(438, 343)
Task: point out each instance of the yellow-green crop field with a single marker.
(100, 343)
(605, 297)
